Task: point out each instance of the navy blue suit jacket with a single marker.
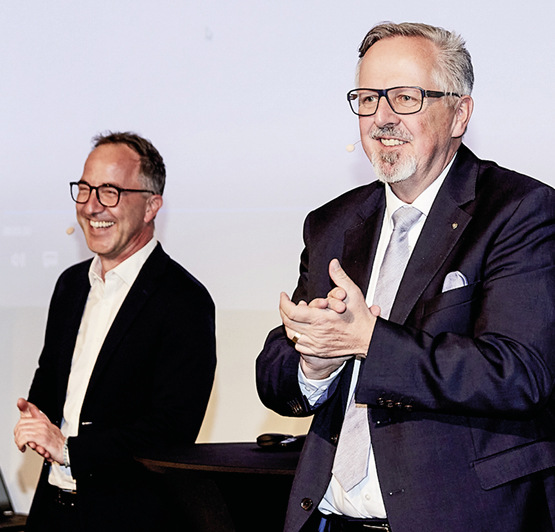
(148, 391)
(459, 384)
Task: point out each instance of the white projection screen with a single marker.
(246, 102)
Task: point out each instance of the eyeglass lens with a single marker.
(403, 100)
(107, 195)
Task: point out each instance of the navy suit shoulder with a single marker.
(349, 205)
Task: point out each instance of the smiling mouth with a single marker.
(390, 136)
(392, 142)
(100, 224)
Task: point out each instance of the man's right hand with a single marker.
(328, 331)
(35, 430)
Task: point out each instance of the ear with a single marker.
(463, 113)
(153, 205)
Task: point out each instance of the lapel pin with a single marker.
(454, 225)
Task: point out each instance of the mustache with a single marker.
(390, 131)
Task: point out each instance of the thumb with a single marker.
(23, 406)
(28, 409)
(35, 412)
(339, 277)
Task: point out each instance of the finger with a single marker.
(293, 334)
(19, 442)
(42, 451)
(375, 310)
(292, 314)
(340, 278)
(319, 302)
(337, 305)
(286, 306)
(337, 293)
(23, 406)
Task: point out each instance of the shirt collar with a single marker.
(128, 270)
(423, 202)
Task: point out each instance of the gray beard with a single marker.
(388, 169)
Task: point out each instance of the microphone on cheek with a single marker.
(351, 147)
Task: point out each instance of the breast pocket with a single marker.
(453, 311)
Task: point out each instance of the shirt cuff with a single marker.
(315, 390)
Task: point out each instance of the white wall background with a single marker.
(246, 102)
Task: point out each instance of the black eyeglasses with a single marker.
(107, 195)
(403, 100)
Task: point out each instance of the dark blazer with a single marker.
(148, 390)
(459, 384)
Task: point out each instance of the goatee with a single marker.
(391, 168)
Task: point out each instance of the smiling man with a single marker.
(128, 360)
(421, 331)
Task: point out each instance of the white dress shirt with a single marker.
(365, 499)
(103, 303)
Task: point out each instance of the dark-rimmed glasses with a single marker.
(107, 195)
(402, 100)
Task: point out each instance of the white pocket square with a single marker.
(454, 280)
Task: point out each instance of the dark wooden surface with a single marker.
(227, 487)
(246, 458)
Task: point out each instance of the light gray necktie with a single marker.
(351, 463)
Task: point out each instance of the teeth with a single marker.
(392, 142)
(98, 225)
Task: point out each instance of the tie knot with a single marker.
(404, 218)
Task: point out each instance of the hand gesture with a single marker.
(330, 330)
(35, 430)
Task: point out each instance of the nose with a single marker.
(384, 113)
(92, 205)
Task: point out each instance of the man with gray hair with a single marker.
(421, 331)
(128, 359)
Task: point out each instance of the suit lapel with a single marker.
(145, 284)
(443, 228)
(361, 240)
(74, 307)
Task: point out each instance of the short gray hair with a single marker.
(454, 72)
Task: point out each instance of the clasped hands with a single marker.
(328, 331)
(35, 430)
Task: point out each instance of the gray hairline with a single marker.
(453, 73)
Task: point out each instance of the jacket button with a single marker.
(381, 401)
(334, 439)
(306, 504)
(389, 403)
(408, 408)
